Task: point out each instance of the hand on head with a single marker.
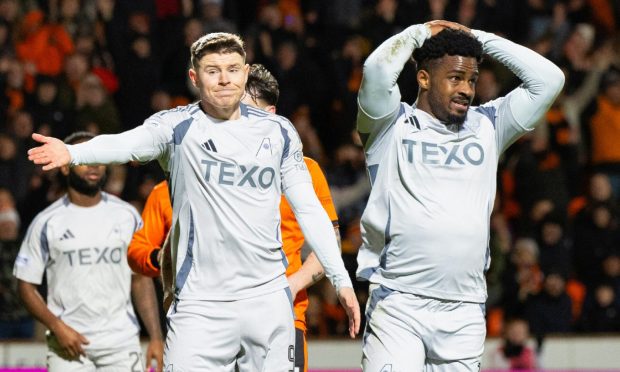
(439, 25)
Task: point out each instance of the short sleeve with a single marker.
(33, 253)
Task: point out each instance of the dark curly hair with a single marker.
(262, 85)
(447, 42)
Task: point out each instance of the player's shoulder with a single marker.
(313, 167)
(177, 115)
(254, 112)
(161, 188)
(54, 209)
(486, 113)
(117, 203)
(266, 118)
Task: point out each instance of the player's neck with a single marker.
(83, 200)
(222, 113)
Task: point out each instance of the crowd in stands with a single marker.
(105, 66)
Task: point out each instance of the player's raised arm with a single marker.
(542, 82)
(142, 143)
(379, 96)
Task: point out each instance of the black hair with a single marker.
(77, 137)
(262, 85)
(450, 42)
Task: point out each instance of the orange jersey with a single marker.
(293, 238)
(157, 217)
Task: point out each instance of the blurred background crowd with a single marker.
(106, 65)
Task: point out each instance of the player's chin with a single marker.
(457, 118)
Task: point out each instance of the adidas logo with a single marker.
(209, 145)
(67, 235)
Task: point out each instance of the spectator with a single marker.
(15, 322)
(514, 353)
(96, 111)
(550, 311)
(601, 313)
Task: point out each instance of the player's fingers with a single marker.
(84, 340)
(40, 138)
(47, 167)
(354, 320)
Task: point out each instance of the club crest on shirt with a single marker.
(264, 148)
(298, 156)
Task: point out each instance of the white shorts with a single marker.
(253, 335)
(127, 359)
(406, 332)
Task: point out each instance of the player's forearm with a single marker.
(143, 295)
(137, 144)
(309, 273)
(542, 79)
(35, 304)
(379, 94)
(318, 232)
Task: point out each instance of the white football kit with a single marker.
(425, 228)
(83, 252)
(226, 178)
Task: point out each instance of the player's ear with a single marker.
(424, 79)
(270, 108)
(193, 77)
(246, 68)
(64, 170)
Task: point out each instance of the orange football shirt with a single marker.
(157, 217)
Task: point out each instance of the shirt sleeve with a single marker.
(318, 232)
(379, 96)
(520, 110)
(144, 143)
(157, 217)
(321, 189)
(293, 169)
(33, 254)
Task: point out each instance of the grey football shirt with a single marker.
(83, 251)
(425, 228)
(226, 178)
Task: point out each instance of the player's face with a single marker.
(452, 88)
(87, 179)
(220, 78)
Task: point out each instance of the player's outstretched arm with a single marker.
(69, 339)
(143, 295)
(319, 234)
(143, 143)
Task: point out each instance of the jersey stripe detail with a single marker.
(257, 112)
(372, 172)
(189, 256)
(489, 112)
(180, 131)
